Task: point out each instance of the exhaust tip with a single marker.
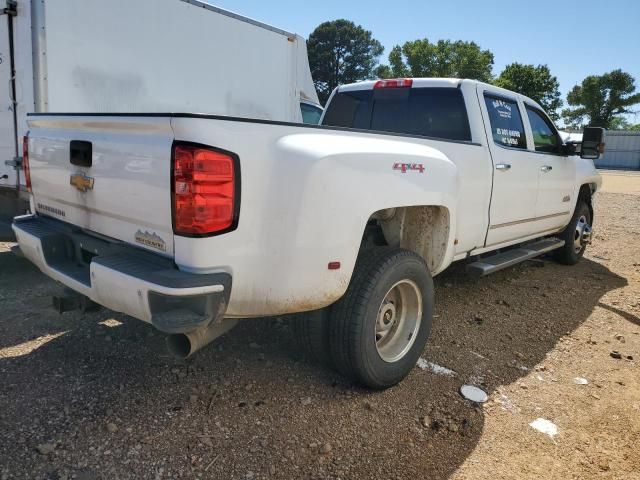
(183, 345)
(179, 345)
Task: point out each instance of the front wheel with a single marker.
(576, 236)
(379, 328)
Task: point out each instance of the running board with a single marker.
(496, 262)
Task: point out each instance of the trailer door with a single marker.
(8, 138)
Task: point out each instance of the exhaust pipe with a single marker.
(183, 345)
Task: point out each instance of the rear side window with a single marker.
(429, 112)
(545, 136)
(506, 122)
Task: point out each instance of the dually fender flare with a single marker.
(442, 197)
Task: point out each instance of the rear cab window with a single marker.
(434, 112)
(506, 123)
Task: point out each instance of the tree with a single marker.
(619, 123)
(341, 52)
(421, 58)
(600, 99)
(534, 82)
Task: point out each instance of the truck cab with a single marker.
(532, 173)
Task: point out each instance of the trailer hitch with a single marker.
(71, 301)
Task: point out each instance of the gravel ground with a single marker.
(96, 396)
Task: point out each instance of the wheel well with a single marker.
(586, 194)
(421, 229)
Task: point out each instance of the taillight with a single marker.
(394, 83)
(25, 162)
(205, 190)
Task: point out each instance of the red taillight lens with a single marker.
(204, 190)
(25, 162)
(394, 83)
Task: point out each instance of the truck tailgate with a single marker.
(106, 174)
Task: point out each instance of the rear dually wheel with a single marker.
(379, 328)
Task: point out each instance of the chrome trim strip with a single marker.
(527, 220)
(511, 243)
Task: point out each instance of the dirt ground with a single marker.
(96, 396)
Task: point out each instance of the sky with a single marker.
(574, 38)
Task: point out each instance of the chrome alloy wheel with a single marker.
(398, 322)
(582, 235)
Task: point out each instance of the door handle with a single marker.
(546, 168)
(503, 167)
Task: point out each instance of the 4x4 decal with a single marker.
(406, 167)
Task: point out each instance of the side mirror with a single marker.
(592, 143)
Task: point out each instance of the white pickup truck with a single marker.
(191, 222)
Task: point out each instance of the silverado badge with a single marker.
(152, 240)
(81, 182)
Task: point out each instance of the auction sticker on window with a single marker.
(508, 137)
(506, 122)
(503, 108)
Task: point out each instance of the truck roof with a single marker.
(417, 83)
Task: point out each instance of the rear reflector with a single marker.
(204, 190)
(25, 162)
(394, 83)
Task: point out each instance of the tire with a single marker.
(364, 347)
(311, 335)
(571, 253)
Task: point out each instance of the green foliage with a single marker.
(534, 82)
(341, 52)
(619, 123)
(600, 99)
(421, 58)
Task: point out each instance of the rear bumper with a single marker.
(123, 278)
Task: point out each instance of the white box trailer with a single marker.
(154, 56)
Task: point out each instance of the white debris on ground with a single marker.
(580, 381)
(545, 426)
(507, 404)
(476, 354)
(435, 368)
(474, 394)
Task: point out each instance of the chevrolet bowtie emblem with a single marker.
(81, 182)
